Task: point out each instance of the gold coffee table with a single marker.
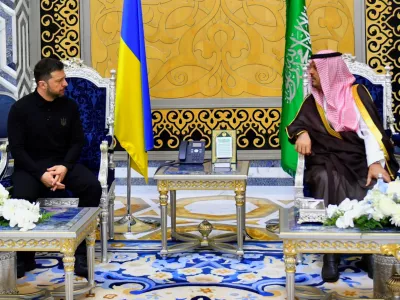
(202, 177)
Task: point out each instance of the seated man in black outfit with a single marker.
(339, 130)
(46, 139)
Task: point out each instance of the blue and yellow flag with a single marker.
(133, 126)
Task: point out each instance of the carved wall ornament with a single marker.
(59, 26)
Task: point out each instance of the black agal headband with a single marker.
(325, 55)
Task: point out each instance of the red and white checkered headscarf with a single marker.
(336, 82)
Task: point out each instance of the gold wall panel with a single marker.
(216, 48)
(59, 28)
(383, 35)
(256, 128)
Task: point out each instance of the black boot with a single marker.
(330, 272)
(30, 263)
(367, 264)
(25, 262)
(81, 267)
(20, 268)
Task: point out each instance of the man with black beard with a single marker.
(46, 139)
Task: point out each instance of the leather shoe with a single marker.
(81, 267)
(367, 264)
(330, 272)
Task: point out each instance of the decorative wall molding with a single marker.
(14, 47)
(383, 37)
(256, 128)
(60, 29)
(217, 49)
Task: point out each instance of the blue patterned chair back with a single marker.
(6, 101)
(376, 91)
(92, 103)
(95, 98)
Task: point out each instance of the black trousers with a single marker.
(322, 183)
(79, 180)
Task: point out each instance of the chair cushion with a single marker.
(5, 104)
(376, 91)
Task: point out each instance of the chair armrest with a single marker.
(299, 177)
(4, 157)
(112, 142)
(103, 172)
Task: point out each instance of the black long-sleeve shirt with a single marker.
(40, 129)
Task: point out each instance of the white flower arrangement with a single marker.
(378, 209)
(18, 212)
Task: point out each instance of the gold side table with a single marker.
(307, 238)
(202, 177)
(62, 233)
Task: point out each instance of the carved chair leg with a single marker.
(111, 215)
(104, 235)
(104, 223)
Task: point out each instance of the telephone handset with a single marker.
(191, 152)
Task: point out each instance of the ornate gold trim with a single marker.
(301, 132)
(289, 251)
(163, 198)
(91, 239)
(327, 126)
(307, 246)
(202, 185)
(240, 197)
(68, 247)
(31, 244)
(391, 249)
(295, 117)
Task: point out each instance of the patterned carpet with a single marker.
(136, 271)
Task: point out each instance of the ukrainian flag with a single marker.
(133, 126)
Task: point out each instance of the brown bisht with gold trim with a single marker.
(337, 167)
